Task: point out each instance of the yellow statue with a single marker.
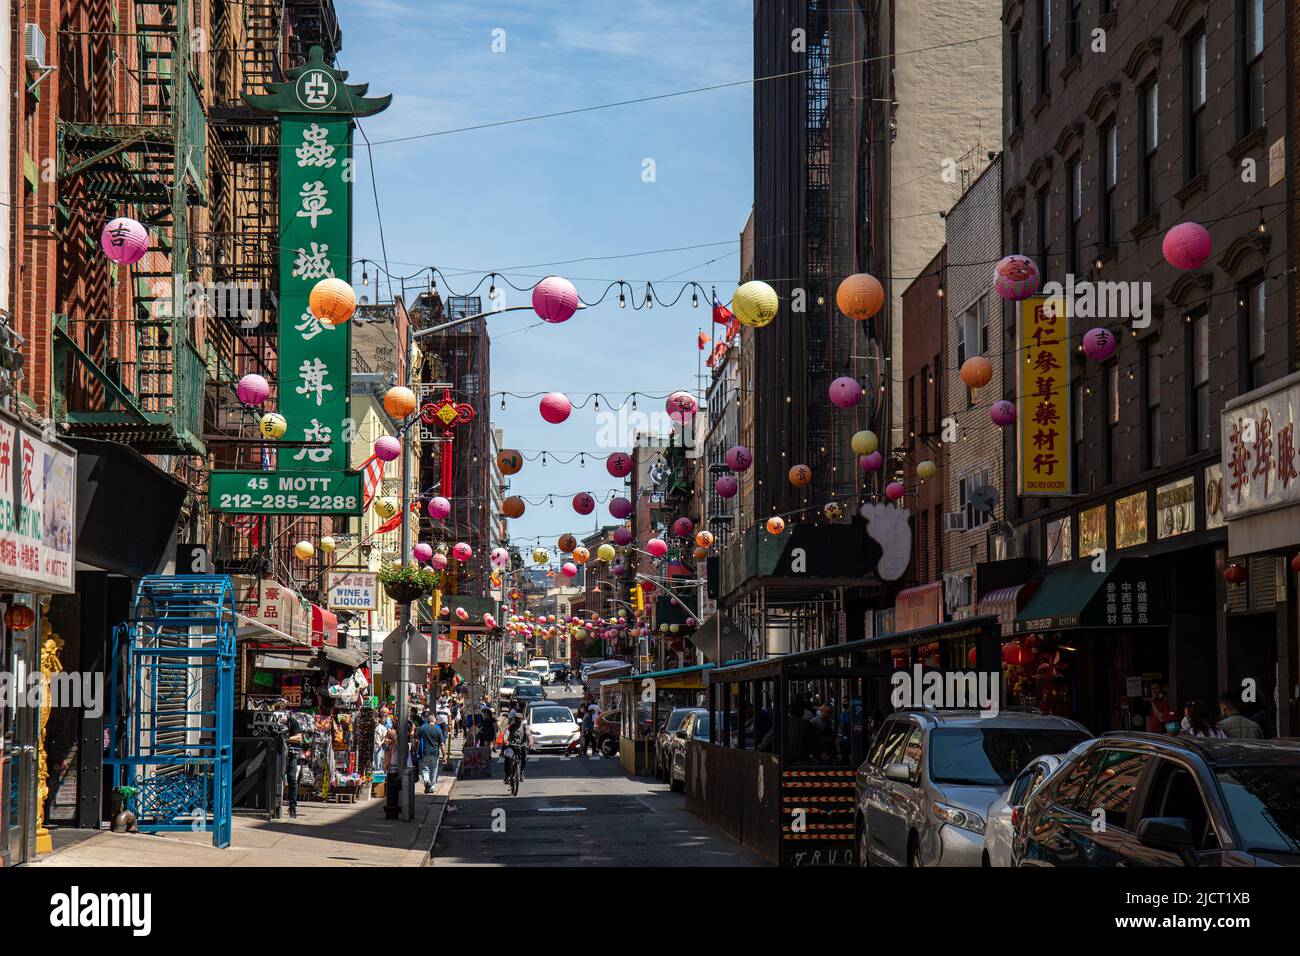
(51, 648)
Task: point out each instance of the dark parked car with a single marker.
(664, 737)
(525, 694)
(694, 727)
(609, 727)
(1132, 799)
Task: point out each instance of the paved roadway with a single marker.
(578, 812)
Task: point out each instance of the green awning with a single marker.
(1129, 593)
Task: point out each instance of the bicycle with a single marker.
(516, 773)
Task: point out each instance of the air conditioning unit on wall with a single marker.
(34, 53)
(954, 521)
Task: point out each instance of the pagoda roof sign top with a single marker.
(317, 88)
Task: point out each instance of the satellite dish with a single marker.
(984, 498)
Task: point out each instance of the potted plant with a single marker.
(405, 583)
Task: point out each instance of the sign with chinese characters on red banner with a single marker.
(1042, 398)
(1261, 469)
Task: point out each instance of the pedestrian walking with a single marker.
(588, 732)
(432, 738)
(1233, 723)
(293, 739)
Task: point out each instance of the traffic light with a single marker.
(638, 598)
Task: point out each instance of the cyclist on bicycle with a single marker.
(516, 741)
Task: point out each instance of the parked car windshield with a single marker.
(550, 715)
(528, 690)
(1265, 806)
(675, 720)
(991, 757)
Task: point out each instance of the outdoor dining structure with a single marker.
(756, 778)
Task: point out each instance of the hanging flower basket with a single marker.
(407, 583)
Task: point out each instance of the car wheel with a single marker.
(608, 747)
(914, 859)
(674, 786)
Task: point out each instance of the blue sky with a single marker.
(506, 198)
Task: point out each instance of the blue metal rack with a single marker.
(172, 702)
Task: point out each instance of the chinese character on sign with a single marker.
(29, 490)
(4, 465)
(1263, 449)
(317, 432)
(316, 88)
(1286, 472)
(312, 374)
(313, 265)
(315, 149)
(314, 198)
(310, 326)
(1239, 466)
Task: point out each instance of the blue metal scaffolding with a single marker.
(172, 704)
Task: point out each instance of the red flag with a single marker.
(703, 340)
(394, 522)
(721, 314)
(733, 327)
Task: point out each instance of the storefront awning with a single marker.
(920, 606)
(248, 629)
(347, 656)
(1005, 604)
(284, 662)
(1130, 593)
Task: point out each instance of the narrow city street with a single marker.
(575, 812)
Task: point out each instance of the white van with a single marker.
(541, 666)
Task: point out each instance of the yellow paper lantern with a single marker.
(304, 550)
(332, 301)
(581, 555)
(775, 525)
(926, 470)
(860, 296)
(399, 401)
(864, 442)
(606, 552)
(272, 425)
(541, 555)
(328, 544)
(386, 507)
(755, 304)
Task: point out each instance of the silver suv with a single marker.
(930, 775)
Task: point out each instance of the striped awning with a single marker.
(921, 606)
(1006, 603)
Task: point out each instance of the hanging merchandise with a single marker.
(555, 407)
(755, 304)
(272, 425)
(1015, 278)
(332, 301)
(845, 392)
(555, 299)
(1187, 245)
(399, 402)
(860, 296)
(619, 465)
(388, 448)
(124, 241)
(253, 389)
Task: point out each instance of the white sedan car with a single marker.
(550, 727)
(1004, 812)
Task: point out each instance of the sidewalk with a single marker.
(324, 834)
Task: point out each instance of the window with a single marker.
(1150, 133)
(1018, 234)
(911, 755)
(1044, 47)
(1112, 787)
(1250, 76)
(1076, 26)
(1151, 386)
(1044, 203)
(1110, 169)
(1250, 313)
(1173, 793)
(1075, 215)
(1112, 420)
(973, 331)
(1016, 112)
(1195, 86)
(967, 485)
(923, 386)
(910, 407)
(1198, 351)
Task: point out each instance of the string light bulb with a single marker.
(695, 300)
(365, 276)
(1261, 227)
(649, 297)
(622, 299)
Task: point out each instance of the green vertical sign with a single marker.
(316, 109)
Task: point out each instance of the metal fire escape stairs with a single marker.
(135, 137)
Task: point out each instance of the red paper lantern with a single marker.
(19, 617)
(1295, 563)
(970, 657)
(1234, 574)
(1013, 655)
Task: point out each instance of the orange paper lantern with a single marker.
(567, 543)
(399, 401)
(513, 507)
(800, 475)
(332, 301)
(704, 539)
(860, 296)
(775, 525)
(509, 461)
(977, 372)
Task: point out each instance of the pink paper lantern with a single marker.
(873, 462)
(439, 562)
(727, 486)
(253, 389)
(555, 299)
(893, 491)
(124, 241)
(388, 448)
(657, 547)
(422, 552)
(620, 508)
(1003, 413)
(584, 503)
(681, 407)
(739, 458)
(462, 614)
(500, 557)
(1100, 344)
(1015, 278)
(622, 537)
(1187, 245)
(439, 508)
(462, 551)
(555, 407)
(683, 527)
(618, 570)
(619, 464)
(569, 569)
(845, 392)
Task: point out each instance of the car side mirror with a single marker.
(1169, 833)
(898, 772)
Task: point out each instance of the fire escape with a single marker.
(132, 140)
